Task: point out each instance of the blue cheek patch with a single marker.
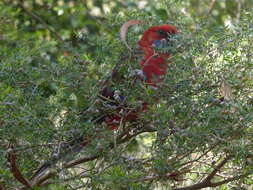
(157, 43)
(160, 43)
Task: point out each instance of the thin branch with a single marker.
(230, 179)
(238, 14)
(172, 176)
(14, 169)
(211, 7)
(24, 148)
(39, 19)
(201, 156)
(40, 181)
(207, 181)
(80, 161)
(216, 169)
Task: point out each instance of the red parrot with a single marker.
(153, 64)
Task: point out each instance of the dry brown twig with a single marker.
(15, 170)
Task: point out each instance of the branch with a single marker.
(80, 161)
(40, 20)
(201, 156)
(172, 176)
(211, 7)
(48, 175)
(207, 181)
(216, 169)
(14, 169)
(238, 15)
(230, 179)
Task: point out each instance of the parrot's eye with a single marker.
(162, 33)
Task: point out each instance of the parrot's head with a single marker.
(154, 37)
(157, 37)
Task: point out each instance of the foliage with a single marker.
(54, 56)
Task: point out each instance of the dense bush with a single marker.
(54, 58)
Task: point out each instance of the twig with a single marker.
(207, 181)
(79, 161)
(230, 179)
(211, 7)
(39, 19)
(238, 14)
(34, 146)
(201, 156)
(172, 176)
(216, 169)
(50, 174)
(14, 169)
